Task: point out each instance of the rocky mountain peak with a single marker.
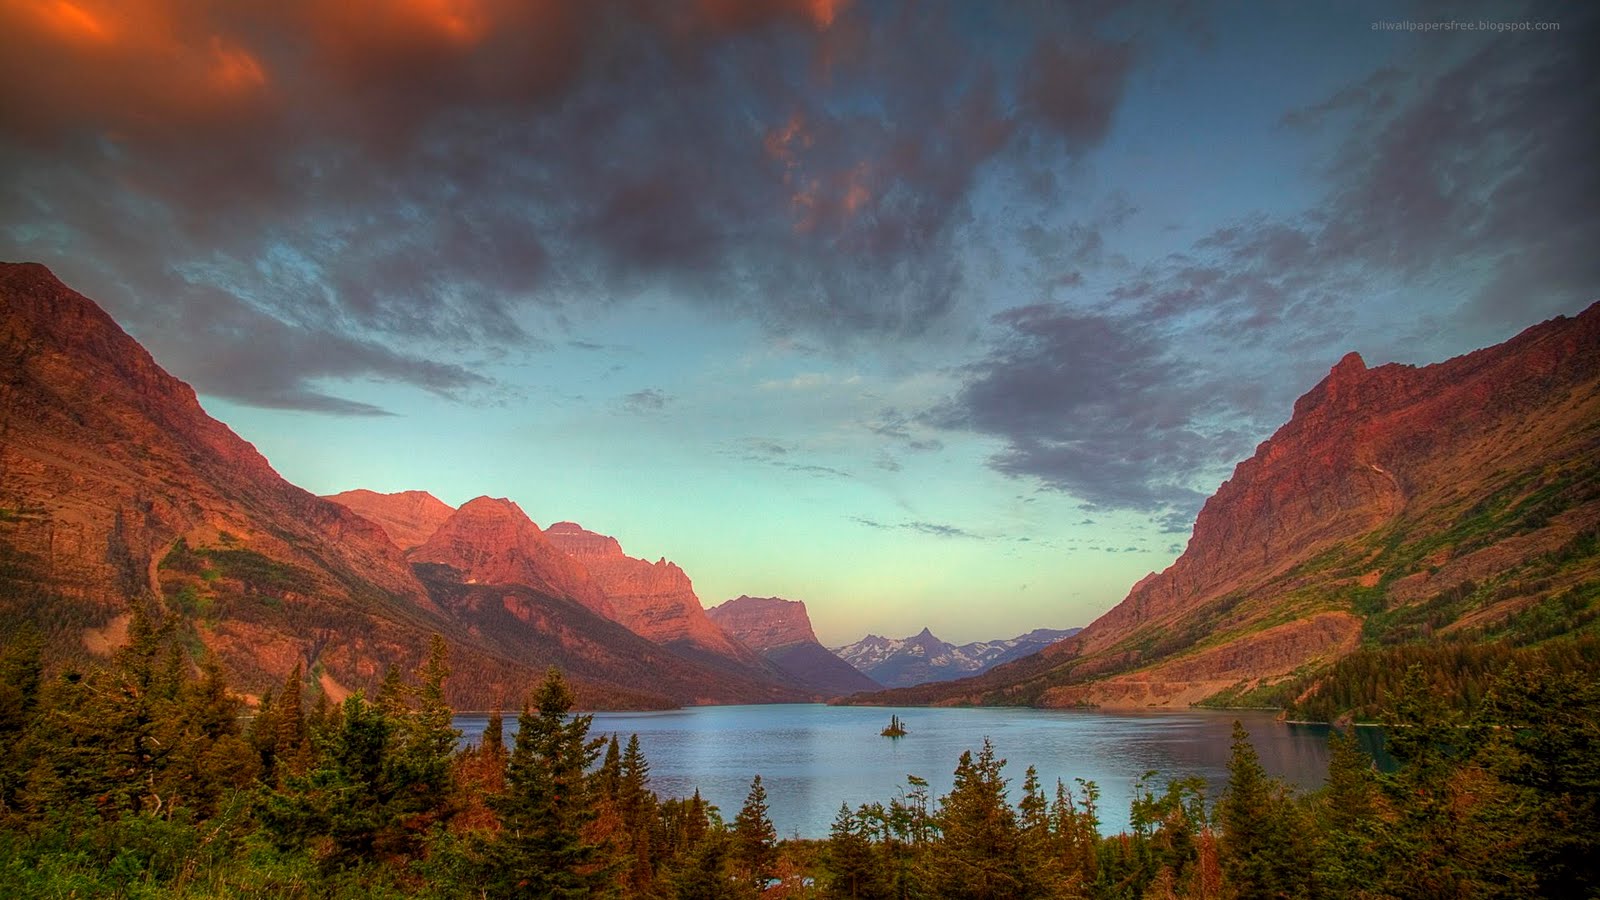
(654, 600)
(408, 517)
(490, 540)
(765, 623)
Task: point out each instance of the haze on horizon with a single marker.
(938, 314)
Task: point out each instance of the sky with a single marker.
(926, 314)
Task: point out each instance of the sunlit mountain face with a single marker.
(947, 315)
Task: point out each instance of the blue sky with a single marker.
(931, 314)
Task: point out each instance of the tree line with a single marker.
(144, 778)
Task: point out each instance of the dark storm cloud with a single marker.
(422, 177)
(1089, 405)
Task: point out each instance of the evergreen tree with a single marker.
(21, 679)
(291, 744)
(608, 778)
(1543, 731)
(1347, 813)
(980, 855)
(703, 874)
(1264, 851)
(852, 870)
(493, 742)
(636, 804)
(541, 850)
(755, 840)
(420, 763)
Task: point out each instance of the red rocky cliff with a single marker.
(654, 600)
(492, 541)
(765, 623)
(408, 517)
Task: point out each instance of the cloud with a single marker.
(930, 528)
(773, 453)
(645, 402)
(1453, 167)
(1090, 405)
(897, 426)
(427, 177)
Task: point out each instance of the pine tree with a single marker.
(493, 742)
(980, 854)
(636, 804)
(755, 840)
(608, 778)
(1347, 813)
(541, 850)
(420, 762)
(291, 745)
(1264, 848)
(21, 680)
(852, 869)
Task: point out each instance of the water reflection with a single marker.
(812, 757)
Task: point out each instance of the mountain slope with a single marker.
(408, 517)
(492, 567)
(117, 488)
(924, 658)
(654, 600)
(492, 541)
(781, 631)
(108, 465)
(1399, 504)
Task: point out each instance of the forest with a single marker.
(147, 777)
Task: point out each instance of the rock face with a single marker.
(923, 658)
(117, 488)
(781, 631)
(492, 541)
(108, 463)
(408, 517)
(654, 600)
(1398, 502)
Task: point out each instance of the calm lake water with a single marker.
(813, 757)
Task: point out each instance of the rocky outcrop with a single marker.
(765, 623)
(654, 600)
(1465, 488)
(781, 631)
(492, 541)
(408, 517)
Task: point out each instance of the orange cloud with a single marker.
(737, 14)
(823, 12)
(234, 68)
(67, 22)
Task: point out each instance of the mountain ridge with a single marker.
(781, 631)
(923, 657)
(1398, 503)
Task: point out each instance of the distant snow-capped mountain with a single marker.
(923, 657)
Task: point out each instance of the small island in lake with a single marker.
(896, 728)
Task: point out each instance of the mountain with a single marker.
(1399, 506)
(492, 541)
(408, 517)
(780, 630)
(657, 601)
(654, 600)
(116, 488)
(923, 658)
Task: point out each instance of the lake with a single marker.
(812, 757)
